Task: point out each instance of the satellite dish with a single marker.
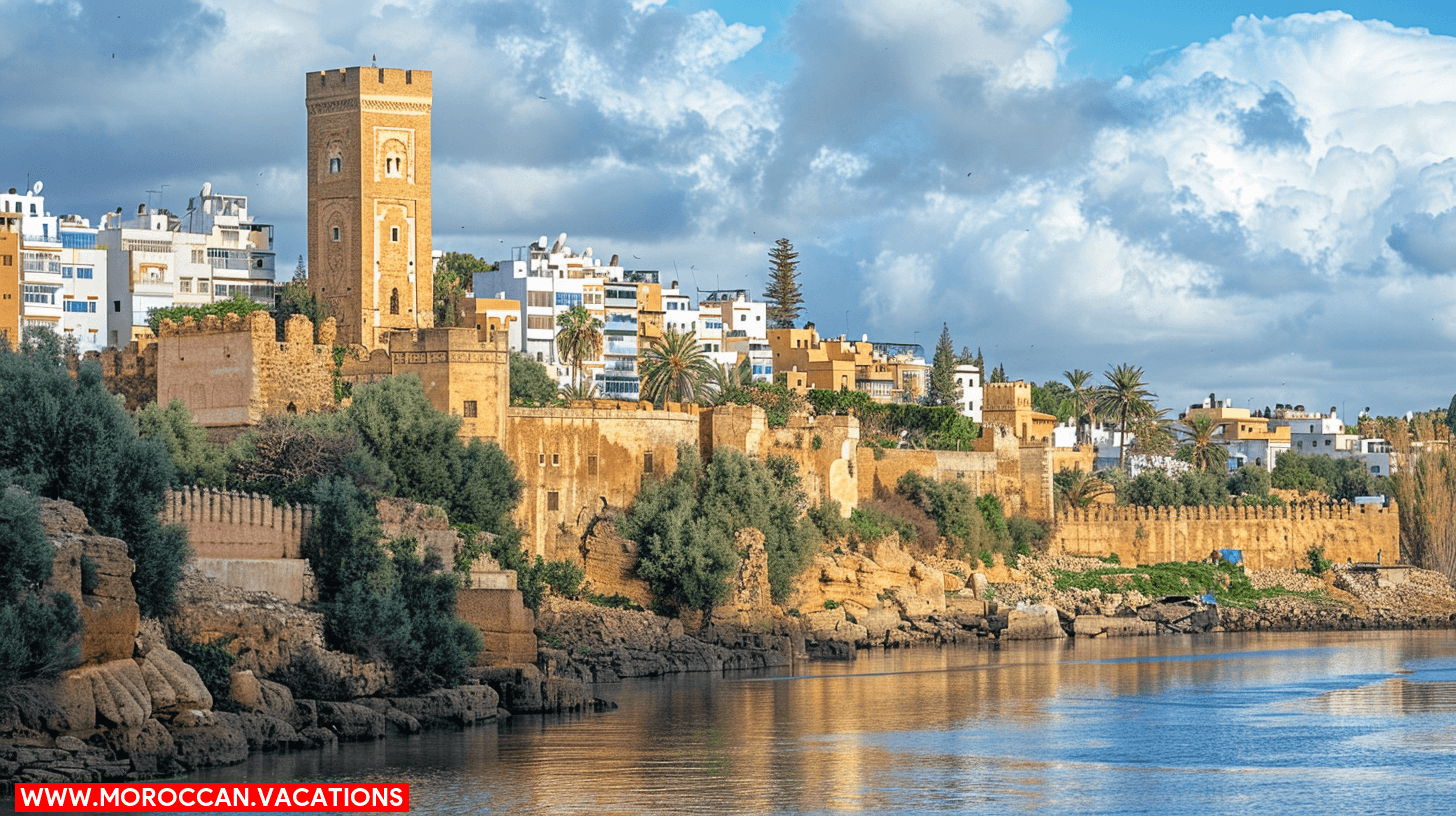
(560, 243)
(542, 243)
(37, 188)
(206, 189)
(586, 254)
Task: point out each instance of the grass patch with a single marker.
(1229, 585)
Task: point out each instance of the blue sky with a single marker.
(1262, 206)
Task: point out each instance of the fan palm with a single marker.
(1208, 454)
(1084, 400)
(1078, 488)
(1126, 397)
(675, 369)
(727, 381)
(578, 391)
(578, 338)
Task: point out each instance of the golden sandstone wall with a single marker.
(825, 448)
(1021, 477)
(1268, 536)
(130, 372)
(575, 462)
(232, 371)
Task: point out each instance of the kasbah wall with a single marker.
(1269, 537)
(233, 371)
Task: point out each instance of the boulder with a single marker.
(1102, 625)
(525, 689)
(304, 715)
(458, 706)
(351, 721)
(1033, 622)
(149, 748)
(119, 694)
(879, 621)
(172, 684)
(912, 604)
(263, 732)
(320, 737)
(205, 746)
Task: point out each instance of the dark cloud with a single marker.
(1427, 242)
(1273, 123)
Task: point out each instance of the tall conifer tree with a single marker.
(943, 388)
(785, 302)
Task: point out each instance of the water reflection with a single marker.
(1233, 722)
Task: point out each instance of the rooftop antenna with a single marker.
(150, 193)
(162, 196)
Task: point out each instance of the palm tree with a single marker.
(1126, 397)
(727, 381)
(578, 338)
(1084, 400)
(1077, 488)
(1207, 453)
(578, 391)
(675, 369)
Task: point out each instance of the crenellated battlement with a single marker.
(231, 524)
(1268, 536)
(1297, 512)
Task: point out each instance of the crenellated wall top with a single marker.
(1116, 513)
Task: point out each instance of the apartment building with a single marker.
(155, 259)
(888, 372)
(63, 273)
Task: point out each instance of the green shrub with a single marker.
(988, 558)
(36, 630)
(1250, 481)
(564, 577)
(831, 604)
(614, 601)
(825, 516)
(869, 524)
(90, 578)
(237, 304)
(214, 665)
(1227, 583)
(309, 678)
(65, 438)
(1318, 564)
(1026, 532)
(685, 525)
(968, 523)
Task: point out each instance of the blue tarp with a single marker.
(1234, 557)
(1209, 599)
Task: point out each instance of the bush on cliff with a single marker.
(195, 461)
(37, 630)
(970, 524)
(401, 609)
(68, 438)
(685, 525)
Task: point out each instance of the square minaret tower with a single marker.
(369, 200)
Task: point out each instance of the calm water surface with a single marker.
(1214, 724)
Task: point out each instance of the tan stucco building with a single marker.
(369, 230)
(10, 278)
(839, 364)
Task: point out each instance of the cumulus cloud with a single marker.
(1271, 212)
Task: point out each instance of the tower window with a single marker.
(394, 301)
(394, 234)
(335, 234)
(336, 164)
(470, 408)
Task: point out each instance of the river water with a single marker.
(1346, 723)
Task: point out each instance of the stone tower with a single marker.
(369, 200)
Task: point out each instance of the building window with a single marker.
(553, 501)
(203, 287)
(591, 464)
(394, 301)
(7, 260)
(555, 460)
(336, 164)
(470, 408)
(394, 234)
(647, 463)
(1375, 469)
(541, 459)
(115, 305)
(67, 272)
(335, 234)
(538, 299)
(539, 322)
(85, 272)
(184, 286)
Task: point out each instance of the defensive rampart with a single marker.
(1020, 476)
(1269, 537)
(228, 524)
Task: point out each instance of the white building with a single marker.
(1315, 434)
(735, 326)
(968, 379)
(157, 259)
(63, 274)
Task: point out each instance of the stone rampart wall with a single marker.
(1270, 537)
(228, 524)
(1021, 477)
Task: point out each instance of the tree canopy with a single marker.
(785, 300)
(942, 386)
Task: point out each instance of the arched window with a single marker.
(394, 301)
(336, 164)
